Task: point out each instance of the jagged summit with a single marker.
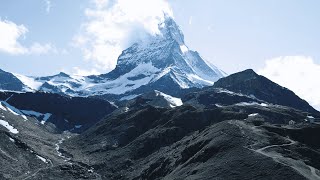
(168, 57)
(170, 30)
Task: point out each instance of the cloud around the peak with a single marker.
(77, 71)
(113, 25)
(298, 73)
(11, 36)
(48, 6)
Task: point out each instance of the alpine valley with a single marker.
(162, 113)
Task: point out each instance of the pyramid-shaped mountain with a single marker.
(162, 62)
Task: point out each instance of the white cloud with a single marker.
(48, 5)
(298, 73)
(83, 72)
(113, 25)
(37, 48)
(10, 36)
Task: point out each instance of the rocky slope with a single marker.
(233, 142)
(251, 84)
(27, 148)
(212, 133)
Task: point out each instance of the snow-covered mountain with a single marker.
(162, 62)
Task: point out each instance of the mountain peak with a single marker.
(170, 30)
(162, 62)
(62, 74)
(251, 84)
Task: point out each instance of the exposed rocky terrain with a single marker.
(249, 83)
(231, 142)
(215, 134)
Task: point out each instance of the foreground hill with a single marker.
(249, 83)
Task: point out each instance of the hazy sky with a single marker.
(279, 39)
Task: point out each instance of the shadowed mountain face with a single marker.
(10, 82)
(251, 84)
(65, 113)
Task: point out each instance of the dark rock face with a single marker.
(212, 97)
(68, 112)
(237, 139)
(249, 83)
(9, 82)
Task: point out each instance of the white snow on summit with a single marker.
(151, 64)
(126, 82)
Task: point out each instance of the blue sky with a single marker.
(58, 35)
(235, 35)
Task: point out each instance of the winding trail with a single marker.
(307, 171)
(292, 142)
(301, 167)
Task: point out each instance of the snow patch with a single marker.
(123, 84)
(129, 97)
(113, 104)
(14, 110)
(77, 126)
(251, 104)
(184, 48)
(45, 116)
(12, 140)
(198, 80)
(9, 127)
(173, 101)
(2, 107)
(253, 115)
(42, 159)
